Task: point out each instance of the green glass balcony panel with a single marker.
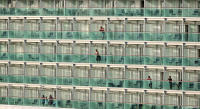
(151, 106)
(33, 12)
(191, 12)
(16, 34)
(3, 100)
(97, 105)
(64, 58)
(134, 36)
(32, 79)
(47, 80)
(83, 12)
(134, 60)
(134, 11)
(172, 36)
(190, 107)
(149, 60)
(64, 35)
(194, 86)
(191, 61)
(3, 78)
(47, 12)
(114, 83)
(154, 37)
(15, 78)
(98, 35)
(97, 12)
(15, 101)
(81, 105)
(191, 37)
(48, 57)
(80, 58)
(154, 12)
(171, 85)
(97, 82)
(65, 103)
(31, 34)
(150, 84)
(70, 12)
(115, 35)
(174, 61)
(16, 56)
(4, 34)
(32, 102)
(3, 56)
(80, 81)
(115, 60)
(173, 12)
(171, 107)
(47, 35)
(109, 12)
(20, 11)
(93, 59)
(59, 11)
(110, 105)
(64, 81)
(133, 106)
(133, 83)
(47, 102)
(81, 35)
(31, 57)
(119, 12)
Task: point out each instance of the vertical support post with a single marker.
(164, 29)
(107, 52)
(25, 64)
(73, 93)
(182, 35)
(107, 70)
(56, 51)
(164, 94)
(24, 27)
(144, 32)
(40, 70)
(124, 75)
(57, 20)
(90, 96)
(125, 28)
(145, 69)
(144, 96)
(107, 35)
(56, 72)
(40, 25)
(90, 52)
(40, 49)
(183, 97)
(144, 54)
(125, 45)
(124, 98)
(9, 41)
(8, 23)
(25, 42)
(183, 60)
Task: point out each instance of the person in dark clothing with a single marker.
(50, 100)
(179, 85)
(170, 82)
(43, 100)
(103, 32)
(150, 83)
(98, 58)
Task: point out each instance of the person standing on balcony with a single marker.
(170, 82)
(150, 84)
(43, 100)
(102, 31)
(98, 58)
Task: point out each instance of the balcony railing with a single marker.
(147, 12)
(135, 36)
